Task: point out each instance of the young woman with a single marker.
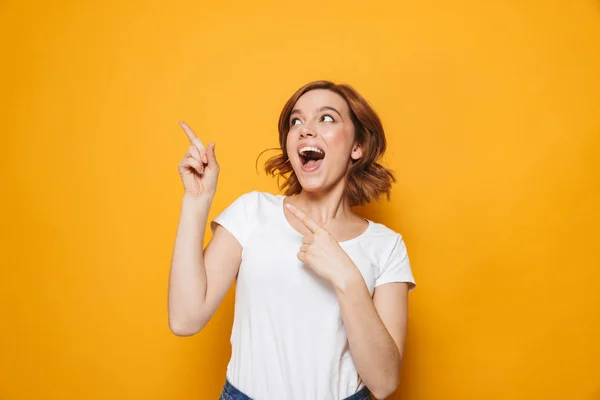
(321, 293)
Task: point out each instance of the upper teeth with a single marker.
(310, 148)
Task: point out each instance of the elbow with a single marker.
(183, 331)
(385, 389)
(386, 385)
(182, 327)
(388, 381)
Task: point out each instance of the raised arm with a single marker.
(199, 279)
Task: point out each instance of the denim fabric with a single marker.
(231, 393)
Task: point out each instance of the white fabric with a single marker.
(288, 340)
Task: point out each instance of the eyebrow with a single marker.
(324, 108)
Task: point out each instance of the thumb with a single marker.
(212, 159)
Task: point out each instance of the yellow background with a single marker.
(492, 110)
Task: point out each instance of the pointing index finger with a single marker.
(305, 219)
(191, 135)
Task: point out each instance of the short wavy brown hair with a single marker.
(366, 180)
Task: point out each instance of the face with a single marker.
(321, 143)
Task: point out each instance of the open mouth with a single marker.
(311, 157)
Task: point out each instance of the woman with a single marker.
(321, 293)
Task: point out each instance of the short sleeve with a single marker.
(238, 217)
(397, 268)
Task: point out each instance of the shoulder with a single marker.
(247, 212)
(385, 240)
(255, 202)
(259, 198)
(393, 261)
(382, 233)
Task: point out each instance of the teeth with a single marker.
(309, 148)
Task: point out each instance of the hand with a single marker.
(322, 253)
(199, 170)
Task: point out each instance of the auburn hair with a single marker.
(366, 180)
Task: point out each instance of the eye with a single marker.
(328, 116)
(293, 121)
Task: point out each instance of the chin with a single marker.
(316, 184)
(312, 184)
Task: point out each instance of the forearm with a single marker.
(374, 352)
(187, 281)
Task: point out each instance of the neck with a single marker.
(326, 206)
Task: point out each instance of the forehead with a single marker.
(317, 98)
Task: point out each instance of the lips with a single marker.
(311, 156)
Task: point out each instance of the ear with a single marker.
(357, 151)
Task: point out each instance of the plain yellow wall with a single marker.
(492, 111)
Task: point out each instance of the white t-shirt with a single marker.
(288, 339)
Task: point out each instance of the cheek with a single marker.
(339, 139)
(289, 142)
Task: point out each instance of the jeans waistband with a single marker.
(230, 392)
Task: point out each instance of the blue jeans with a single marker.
(231, 393)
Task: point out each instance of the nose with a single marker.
(307, 131)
